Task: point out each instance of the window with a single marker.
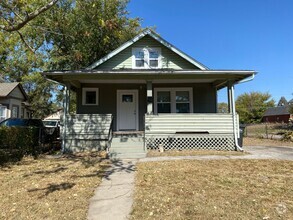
(173, 100)
(90, 96)
(146, 58)
(22, 113)
(14, 112)
(2, 113)
(164, 101)
(127, 98)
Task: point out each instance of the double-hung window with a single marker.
(146, 58)
(173, 100)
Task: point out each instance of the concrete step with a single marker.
(127, 150)
(127, 140)
(127, 145)
(127, 155)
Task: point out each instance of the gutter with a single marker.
(234, 110)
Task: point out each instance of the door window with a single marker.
(127, 98)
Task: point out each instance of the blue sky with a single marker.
(228, 34)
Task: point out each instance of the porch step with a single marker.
(123, 148)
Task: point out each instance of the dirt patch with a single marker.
(249, 141)
(226, 189)
(50, 188)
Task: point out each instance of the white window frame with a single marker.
(173, 98)
(146, 57)
(84, 90)
(3, 117)
(16, 108)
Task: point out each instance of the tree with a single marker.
(251, 106)
(223, 107)
(71, 35)
(16, 14)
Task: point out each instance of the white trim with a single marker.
(157, 38)
(146, 51)
(136, 98)
(173, 91)
(4, 116)
(86, 89)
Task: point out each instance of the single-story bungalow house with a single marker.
(149, 88)
(13, 101)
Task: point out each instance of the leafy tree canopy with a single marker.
(70, 34)
(251, 106)
(223, 107)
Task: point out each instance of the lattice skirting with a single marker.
(191, 142)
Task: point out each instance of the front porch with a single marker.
(210, 131)
(173, 110)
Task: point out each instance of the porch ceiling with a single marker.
(218, 77)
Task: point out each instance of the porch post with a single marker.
(229, 93)
(66, 105)
(149, 97)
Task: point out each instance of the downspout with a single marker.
(64, 113)
(234, 110)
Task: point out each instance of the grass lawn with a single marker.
(156, 153)
(249, 141)
(217, 189)
(49, 188)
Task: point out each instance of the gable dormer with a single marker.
(147, 51)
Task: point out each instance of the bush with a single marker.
(288, 136)
(15, 142)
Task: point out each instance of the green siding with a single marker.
(204, 96)
(170, 59)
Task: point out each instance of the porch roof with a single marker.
(218, 77)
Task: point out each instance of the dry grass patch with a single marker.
(249, 141)
(217, 189)
(50, 188)
(156, 153)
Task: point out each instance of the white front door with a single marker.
(127, 110)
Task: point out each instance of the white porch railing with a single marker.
(190, 131)
(87, 131)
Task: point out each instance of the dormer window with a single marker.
(146, 58)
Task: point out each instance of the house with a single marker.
(13, 101)
(55, 116)
(280, 113)
(149, 87)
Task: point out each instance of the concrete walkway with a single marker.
(113, 198)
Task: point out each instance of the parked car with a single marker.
(53, 127)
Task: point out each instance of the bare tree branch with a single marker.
(28, 17)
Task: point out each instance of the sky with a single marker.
(229, 34)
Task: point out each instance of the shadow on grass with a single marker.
(52, 188)
(119, 166)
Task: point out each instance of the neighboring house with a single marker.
(13, 101)
(279, 113)
(147, 86)
(55, 116)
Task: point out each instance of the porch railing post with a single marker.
(149, 97)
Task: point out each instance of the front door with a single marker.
(127, 110)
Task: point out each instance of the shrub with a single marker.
(288, 136)
(15, 142)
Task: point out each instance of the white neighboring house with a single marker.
(55, 116)
(13, 101)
